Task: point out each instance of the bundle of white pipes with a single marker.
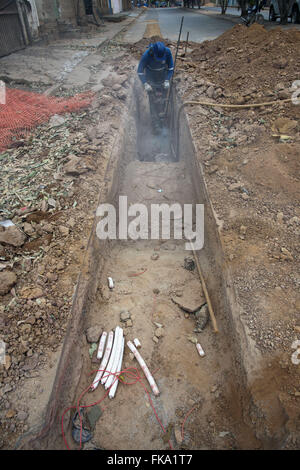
(112, 357)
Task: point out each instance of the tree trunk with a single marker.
(224, 5)
(243, 5)
(284, 10)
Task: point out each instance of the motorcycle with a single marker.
(254, 15)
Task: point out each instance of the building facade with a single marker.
(24, 21)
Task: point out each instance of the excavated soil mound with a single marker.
(251, 57)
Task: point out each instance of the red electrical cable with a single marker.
(137, 274)
(128, 371)
(186, 416)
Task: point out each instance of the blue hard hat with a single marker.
(159, 50)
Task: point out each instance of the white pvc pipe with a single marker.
(200, 350)
(144, 367)
(137, 343)
(117, 339)
(113, 389)
(104, 361)
(101, 345)
(115, 363)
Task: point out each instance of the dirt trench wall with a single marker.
(216, 272)
(211, 257)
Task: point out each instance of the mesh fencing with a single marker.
(24, 110)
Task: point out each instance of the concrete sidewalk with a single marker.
(234, 11)
(69, 62)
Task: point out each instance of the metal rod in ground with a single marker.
(210, 309)
(187, 41)
(177, 47)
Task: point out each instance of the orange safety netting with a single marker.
(24, 110)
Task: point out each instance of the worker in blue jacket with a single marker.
(155, 70)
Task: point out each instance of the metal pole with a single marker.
(169, 92)
(187, 41)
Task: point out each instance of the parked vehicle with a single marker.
(254, 15)
(294, 11)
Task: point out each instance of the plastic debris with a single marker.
(200, 350)
(6, 223)
(224, 433)
(137, 343)
(52, 202)
(111, 284)
(86, 435)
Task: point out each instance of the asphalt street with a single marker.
(200, 27)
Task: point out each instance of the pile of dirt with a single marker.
(247, 60)
(139, 47)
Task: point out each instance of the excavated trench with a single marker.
(151, 282)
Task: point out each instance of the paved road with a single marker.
(201, 27)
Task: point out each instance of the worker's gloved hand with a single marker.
(147, 87)
(166, 84)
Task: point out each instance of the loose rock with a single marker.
(12, 236)
(178, 435)
(189, 264)
(192, 339)
(22, 416)
(125, 315)
(93, 333)
(159, 332)
(10, 414)
(201, 317)
(234, 186)
(7, 281)
(31, 293)
(192, 298)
